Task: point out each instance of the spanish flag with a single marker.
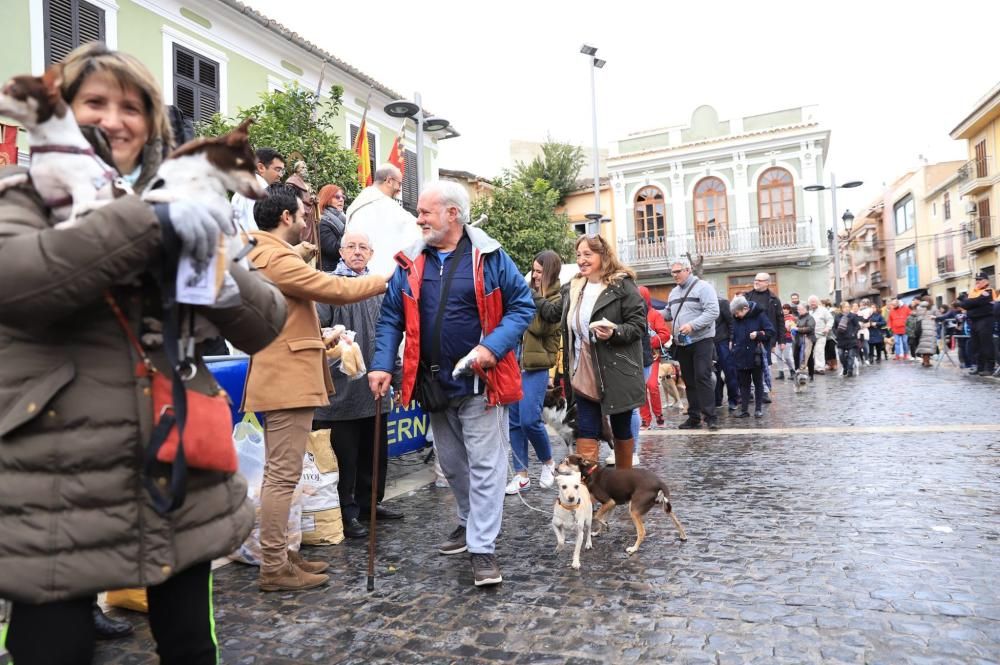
(396, 154)
(361, 150)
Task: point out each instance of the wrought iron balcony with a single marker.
(983, 232)
(974, 175)
(769, 237)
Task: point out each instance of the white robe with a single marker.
(389, 227)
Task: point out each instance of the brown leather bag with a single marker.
(584, 379)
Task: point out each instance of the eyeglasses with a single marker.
(350, 247)
(338, 196)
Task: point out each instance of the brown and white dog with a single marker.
(673, 384)
(573, 513)
(65, 171)
(640, 488)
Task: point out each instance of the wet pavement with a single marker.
(856, 522)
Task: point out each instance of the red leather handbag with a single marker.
(190, 428)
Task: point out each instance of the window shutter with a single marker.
(410, 181)
(68, 24)
(196, 85)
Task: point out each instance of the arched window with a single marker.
(775, 196)
(711, 217)
(776, 208)
(650, 215)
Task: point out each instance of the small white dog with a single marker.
(573, 512)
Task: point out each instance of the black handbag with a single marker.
(430, 393)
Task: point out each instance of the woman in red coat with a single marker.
(659, 335)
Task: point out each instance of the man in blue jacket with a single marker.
(487, 309)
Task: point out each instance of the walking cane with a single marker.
(374, 499)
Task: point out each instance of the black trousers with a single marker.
(62, 632)
(876, 351)
(746, 375)
(981, 349)
(353, 445)
(696, 369)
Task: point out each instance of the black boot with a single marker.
(107, 628)
(355, 529)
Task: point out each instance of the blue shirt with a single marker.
(461, 330)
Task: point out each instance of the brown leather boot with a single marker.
(289, 578)
(299, 562)
(623, 453)
(587, 448)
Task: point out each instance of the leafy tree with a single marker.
(522, 218)
(559, 165)
(300, 125)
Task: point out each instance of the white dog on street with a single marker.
(572, 513)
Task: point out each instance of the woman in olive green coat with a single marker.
(539, 350)
(605, 317)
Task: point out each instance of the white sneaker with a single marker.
(547, 478)
(518, 484)
(610, 459)
(635, 459)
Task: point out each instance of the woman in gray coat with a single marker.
(927, 344)
(76, 411)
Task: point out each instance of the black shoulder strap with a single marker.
(456, 258)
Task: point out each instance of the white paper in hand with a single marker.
(196, 282)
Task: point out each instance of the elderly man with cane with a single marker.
(350, 417)
(464, 307)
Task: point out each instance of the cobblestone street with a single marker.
(857, 522)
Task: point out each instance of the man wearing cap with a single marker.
(978, 305)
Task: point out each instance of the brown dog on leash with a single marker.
(639, 488)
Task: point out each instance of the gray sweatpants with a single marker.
(469, 439)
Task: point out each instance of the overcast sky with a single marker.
(891, 78)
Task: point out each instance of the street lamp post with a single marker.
(595, 64)
(831, 233)
(404, 108)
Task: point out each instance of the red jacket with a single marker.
(660, 328)
(897, 319)
(504, 380)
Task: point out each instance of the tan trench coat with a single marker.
(292, 372)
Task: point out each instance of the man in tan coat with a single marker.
(290, 378)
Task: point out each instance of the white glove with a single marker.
(198, 224)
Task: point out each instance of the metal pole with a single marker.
(419, 118)
(377, 445)
(837, 291)
(597, 169)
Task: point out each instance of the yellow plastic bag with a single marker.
(128, 599)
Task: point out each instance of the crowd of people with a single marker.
(440, 313)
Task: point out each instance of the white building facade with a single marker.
(731, 194)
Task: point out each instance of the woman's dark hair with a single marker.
(551, 265)
(280, 197)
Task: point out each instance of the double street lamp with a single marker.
(831, 235)
(404, 108)
(594, 219)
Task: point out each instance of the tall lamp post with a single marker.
(831, 232)
(594, 218)
(404, 108)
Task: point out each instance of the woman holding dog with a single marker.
(75, 407)
(539, 350)
(604, 320)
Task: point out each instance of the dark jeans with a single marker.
(757, 375)
(727, 371)
(876, 351)
(180, 618)
(847, 359)
(589, 425)
(696, 369)
(353, 444)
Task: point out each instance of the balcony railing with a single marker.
(973, 175)
(766, 237)
(982, 228)
(877, 278)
